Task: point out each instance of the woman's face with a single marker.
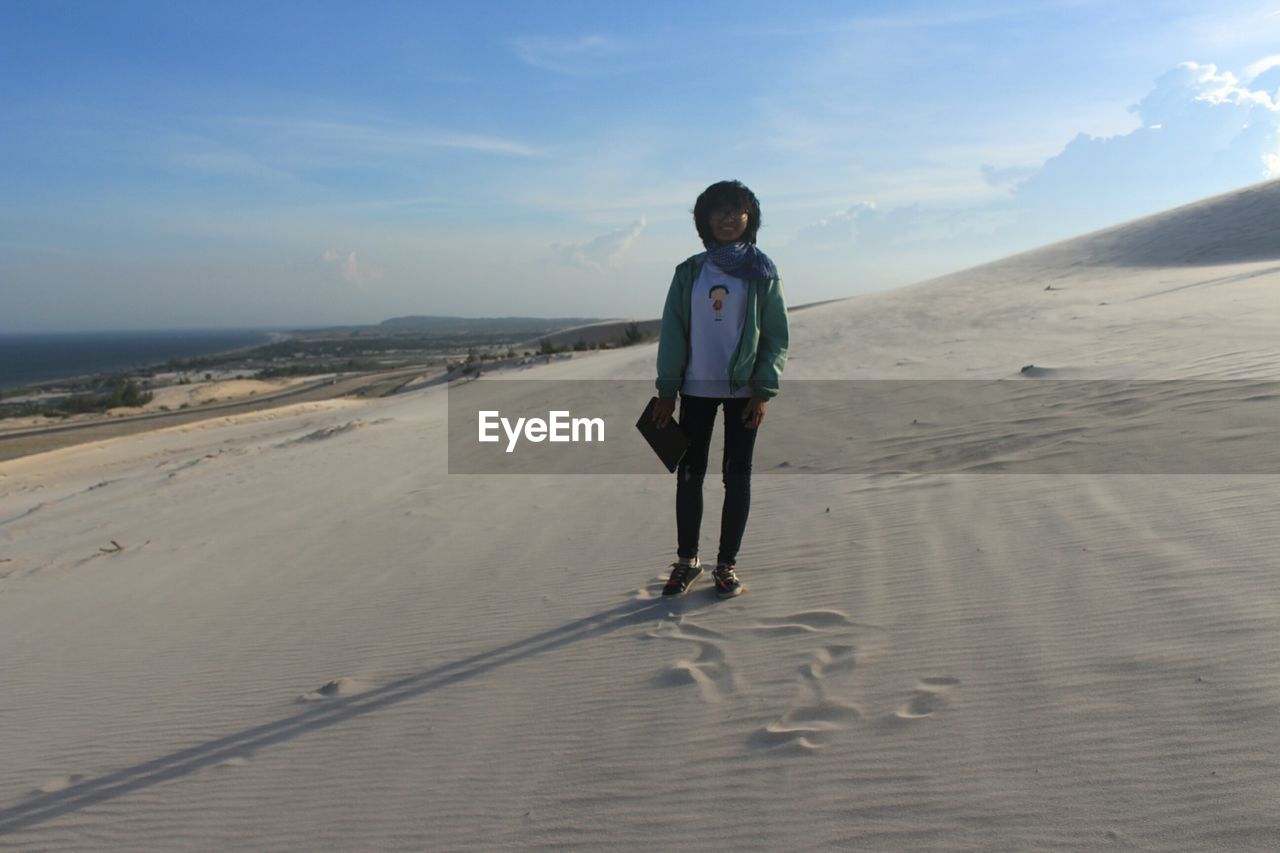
(728, 224)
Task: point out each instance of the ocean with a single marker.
(26, 359)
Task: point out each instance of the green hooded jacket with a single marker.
(762, 349)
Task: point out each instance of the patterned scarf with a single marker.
(742, 260)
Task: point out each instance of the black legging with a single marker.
(697, 417)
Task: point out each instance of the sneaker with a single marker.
(727, 583)
(682, 577)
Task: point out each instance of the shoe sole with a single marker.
(737, 592)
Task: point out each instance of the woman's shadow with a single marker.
(339, 709)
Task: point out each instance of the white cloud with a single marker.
(327, 138)
(878, 231)
(1180, 93)
(1272, 163)
(190, 152)
(348, 266)
(589, 54)
(1203, 132)
(601, 252)
(1262, 66)
(1007, 176)
(840, 227)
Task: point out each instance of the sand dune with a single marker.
(195, 393)
(298, 632)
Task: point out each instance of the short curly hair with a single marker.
(733, 194)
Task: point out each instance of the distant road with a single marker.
(26, 442)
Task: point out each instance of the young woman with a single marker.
(723, 345)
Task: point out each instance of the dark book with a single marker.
(669, 443)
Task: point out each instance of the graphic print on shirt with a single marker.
(717, 294)
(717, 315)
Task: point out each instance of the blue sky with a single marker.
(281, 163)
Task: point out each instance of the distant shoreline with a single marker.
(99, 345)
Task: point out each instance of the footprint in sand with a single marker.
(332, 690)
(808, 726)
(650, 592)
(707, 667)
(814, 718)
(798, 624)
(59, 783)
(830, 660)
(930, 697)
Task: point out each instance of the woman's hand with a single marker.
(663, 410)
(753, 414)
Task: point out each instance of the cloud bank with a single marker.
(1202, 131)
(348, 266)
(603, 252)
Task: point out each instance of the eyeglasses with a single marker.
(727, 213)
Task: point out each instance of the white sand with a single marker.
(314, 638)
(222, 390)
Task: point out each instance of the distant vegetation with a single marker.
(631, 334)
(120, 393)
(509, 327)
(364, 349)
(399, 343)
(316, 368)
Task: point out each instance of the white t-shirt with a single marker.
(717, 312)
